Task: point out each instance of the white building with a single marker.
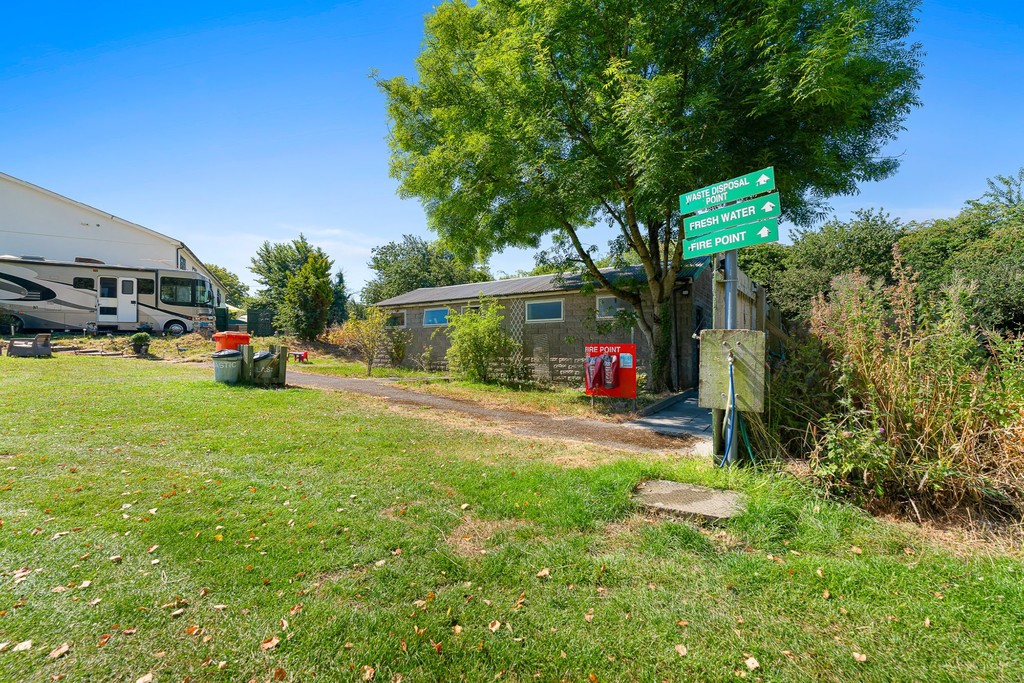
(37, 222)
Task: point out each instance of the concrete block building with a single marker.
(553, 317)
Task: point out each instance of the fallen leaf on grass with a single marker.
(295, 609)
(192, 630)
(130, 631)
(22, 646)
(825, 594)
(86, 584)
(151, 548)
(116, 558)
(820, 573)
(161, 654)
(436, 646)
(681, 649)
(103, 640)
(589, 616)
(494, 626)
(220, 607)
(859, 657)
(752, 663)
(544, 573)
(148, 678)
(927, 622)
(59, 651)
(855, 550)
(368, 673)
(592, 678)
(270, 643)
(280, 674)
(457, 629)
(178, 612)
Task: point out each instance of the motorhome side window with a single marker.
(84, 283)
(147, 286)
(176, 290)
(108, 287)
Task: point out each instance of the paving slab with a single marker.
(678, 418)
(690, 500)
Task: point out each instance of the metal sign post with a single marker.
(724, 217)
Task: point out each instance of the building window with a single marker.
(127, 286)
(435, 317)
(609, 306)
(397, 319)
(147, 286)
(544, 311)
(181, 262)
(84, 283)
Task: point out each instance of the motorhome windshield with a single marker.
(184, 291)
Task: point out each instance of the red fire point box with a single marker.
(610, 370)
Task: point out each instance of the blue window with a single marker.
(435, 317)
(544, 311)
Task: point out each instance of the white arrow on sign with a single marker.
(768, 206)
(763, 232)
(763, 179)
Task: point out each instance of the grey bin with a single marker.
(261, 360)
(227, 365)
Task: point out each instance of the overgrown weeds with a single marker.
(919, 407)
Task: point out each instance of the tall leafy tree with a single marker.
(274, 264)
(530, 117)
(237, 291)
(414, 262)
(307, 298)
(339, 307)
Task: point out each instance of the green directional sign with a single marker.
(733, 238)
(728, 191)
(732, 215)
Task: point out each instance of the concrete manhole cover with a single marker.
(689, 500)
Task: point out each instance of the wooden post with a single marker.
(282, 366)
(246, 373)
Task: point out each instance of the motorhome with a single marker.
(86, 294)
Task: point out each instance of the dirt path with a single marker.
(513, 422)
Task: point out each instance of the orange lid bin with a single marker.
(230, 341)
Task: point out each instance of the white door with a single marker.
(127, 301)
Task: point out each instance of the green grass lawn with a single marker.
(300, 535)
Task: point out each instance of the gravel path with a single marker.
(520, 423)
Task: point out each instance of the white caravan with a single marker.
(39, 294)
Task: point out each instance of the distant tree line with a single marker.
(983, 244)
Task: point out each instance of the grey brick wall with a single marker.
(555, 349)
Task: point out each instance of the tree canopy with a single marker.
(274, 264)
(529, 117)
(308, 295)
(414, 262)
(237, 293)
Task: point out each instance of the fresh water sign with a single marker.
(733, 238)
(728, 191)
(730, 216)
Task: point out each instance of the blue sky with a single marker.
(231, 122)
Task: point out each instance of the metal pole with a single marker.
(731, 295)
(632, 340)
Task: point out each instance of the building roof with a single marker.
(537, 284)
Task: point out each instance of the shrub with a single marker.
(480, 345)
(370, 335)
(397, 343)
(930, 411)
